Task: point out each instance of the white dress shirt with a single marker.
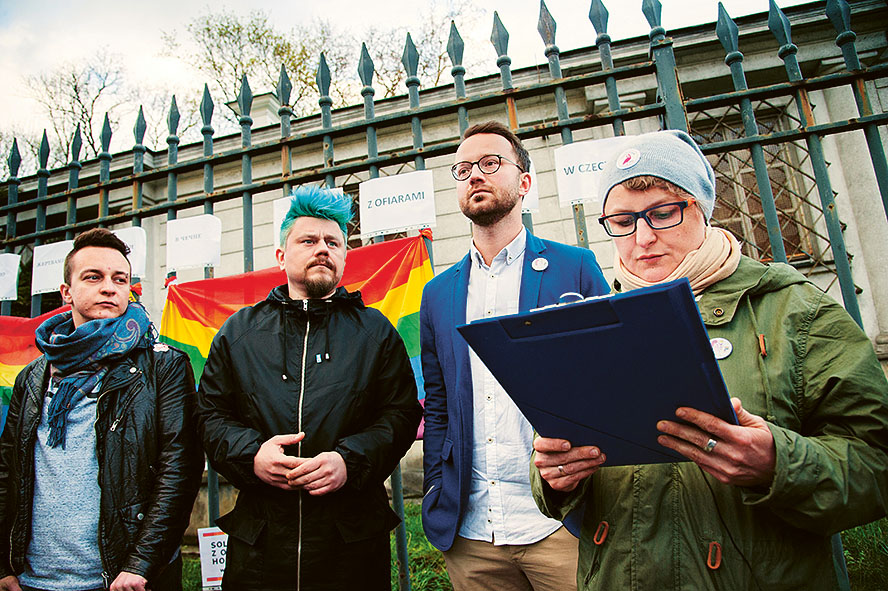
(500, 508)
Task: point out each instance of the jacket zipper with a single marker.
(299, 445)
(106, 577)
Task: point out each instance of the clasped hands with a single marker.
(319, 475)
(743, 455)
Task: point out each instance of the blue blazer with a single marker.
(447, 443)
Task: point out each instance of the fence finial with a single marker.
(106, 134)
(455, 46)
(726, 30)
(14, 160)
(499, 37)
(410, 58)
(598, 15)
(323, 76)
(284, 87)
(839, 14)
(546, 25)
(245, 97)
(206, 107)
(76, 144)
(779, 24)
(653, 11)
(173, 117)
(43, 152)
(365, 67)
(140, 127)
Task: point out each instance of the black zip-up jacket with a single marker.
(149, 456)
(339, 372)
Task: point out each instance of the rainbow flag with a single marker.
(17, 349)
(390, 276)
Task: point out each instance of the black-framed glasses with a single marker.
(488, 164)
(658, 217)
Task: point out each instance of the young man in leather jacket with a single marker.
(99, 461)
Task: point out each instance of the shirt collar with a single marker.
(510, 253)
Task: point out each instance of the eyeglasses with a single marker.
(658, 217)
(488, 164)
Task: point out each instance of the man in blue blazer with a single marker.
(477, 506)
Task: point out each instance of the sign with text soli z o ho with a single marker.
(397, 203)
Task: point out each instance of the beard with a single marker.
(319, 285)
(493, 210)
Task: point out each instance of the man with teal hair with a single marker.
(306, 404)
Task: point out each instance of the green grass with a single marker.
(427, 571)
(866, 552)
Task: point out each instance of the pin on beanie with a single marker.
(670, 155)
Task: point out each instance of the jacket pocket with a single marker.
(132, 516)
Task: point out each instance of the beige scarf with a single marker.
(716, 259)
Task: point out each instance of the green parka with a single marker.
(825, 398)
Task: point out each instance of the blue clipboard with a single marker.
(603, 371)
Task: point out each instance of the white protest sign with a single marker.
(9, 268)
(280, 207)
(194, 242)
(578, 169)
(213, 544)
(137, 241)
(49, 266)
(531, 202)
(397, 203)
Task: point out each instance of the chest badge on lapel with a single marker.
(721, 347)
(539, 264)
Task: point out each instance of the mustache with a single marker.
(323, 262)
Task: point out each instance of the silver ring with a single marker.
(561, 469)
(710, 445)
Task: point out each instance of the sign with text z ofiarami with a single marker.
(397, 203)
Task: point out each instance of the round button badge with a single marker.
(721, 347)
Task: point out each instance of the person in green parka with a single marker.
(757, 504)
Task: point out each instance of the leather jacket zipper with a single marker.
(299, 445)
(106, 576)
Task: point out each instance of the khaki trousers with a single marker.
(547, 565)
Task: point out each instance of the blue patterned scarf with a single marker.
(80, 356)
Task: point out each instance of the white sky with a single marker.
(37, 35)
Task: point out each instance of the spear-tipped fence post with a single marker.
(598, 17)
(326, 104)
(781, 29)
(499, 38)
(728, 34)
(40, 221)
(668, 90)
(839, 14)
(245, 104)
(410, 59)
(74, 167)
(285, 112)
(14, 160)
(546, 26)
(365, 72)
(104, 169)
(206, 131)
(139, 150)
(455, 47)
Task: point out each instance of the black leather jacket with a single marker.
(149, 456)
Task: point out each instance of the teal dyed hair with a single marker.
(316, 202)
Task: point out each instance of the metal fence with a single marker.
(774, 186)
